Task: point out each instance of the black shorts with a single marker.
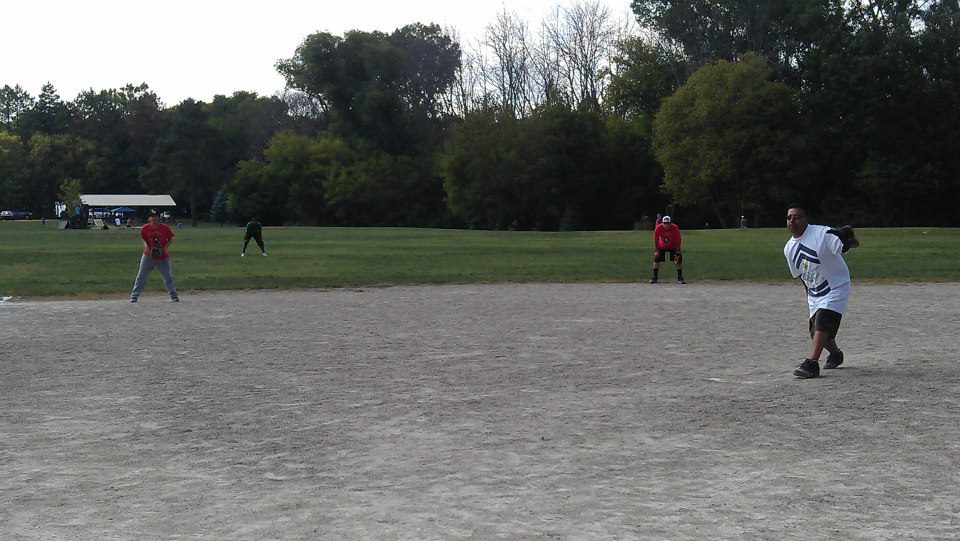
(660, 254)
(256, 236)
(827, 321)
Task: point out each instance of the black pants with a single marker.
(257, 237)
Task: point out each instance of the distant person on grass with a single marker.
(666, 237)
(156, 239)
(814, 254)
(255, 232)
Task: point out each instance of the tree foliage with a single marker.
(556, 169)
(875, 98)
(646, 73)
(287, 185)
(712, 108)
(483, 171)
(220, 211)
(13, 170)
(385, 89)
(729, 137)
(187, 160)
(705, 31)
(69, 194)
(871, 77)
(13, 101)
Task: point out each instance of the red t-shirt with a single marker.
(156, 236)
(667, 236)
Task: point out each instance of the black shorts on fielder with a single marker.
(661, 253)
(826, 321)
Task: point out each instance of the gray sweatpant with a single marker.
(147, 264)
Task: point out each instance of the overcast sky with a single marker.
(200, 48)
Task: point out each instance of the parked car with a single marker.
(15, 214)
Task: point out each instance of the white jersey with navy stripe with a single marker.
(816, 259)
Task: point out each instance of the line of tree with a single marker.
(715, 109)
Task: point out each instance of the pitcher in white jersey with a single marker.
(814, 255)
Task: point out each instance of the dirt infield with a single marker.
(604, 411)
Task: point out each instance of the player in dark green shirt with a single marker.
(255, 232)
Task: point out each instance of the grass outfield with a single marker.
(40, 261)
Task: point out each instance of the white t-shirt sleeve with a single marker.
(832, 243)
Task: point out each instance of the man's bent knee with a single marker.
(825, 321)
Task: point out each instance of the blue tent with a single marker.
(122, 210)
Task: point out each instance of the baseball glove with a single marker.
(847, 237)
(156, 252)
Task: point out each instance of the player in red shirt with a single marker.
(156, 239)
(666, 236)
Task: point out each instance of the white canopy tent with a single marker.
(126, 200)
(112, 206)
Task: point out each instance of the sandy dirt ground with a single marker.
(564, 411)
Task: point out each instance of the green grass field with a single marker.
(40, 261)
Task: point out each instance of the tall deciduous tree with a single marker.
(386, 190)
(13, 170)
(509, 70)
(255, 191)
(288, 184)
(730, 137)
(50, 160)
(246, 122)
(632, 171)
(644, 73)
(386, 89)
(555, 169)
(483, 170)
(187, 160)
(465, 94)
(569, 173)
(709, 30)
(143, 118)
(875, 93)
(98, 117)
(584, 35)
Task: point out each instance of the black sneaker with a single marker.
(681, 281)
(133, 299)
(175, 299)
(834, 360)
(809, 368)
(653, 280)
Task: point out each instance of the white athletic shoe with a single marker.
(264, 254)
(243, 255)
